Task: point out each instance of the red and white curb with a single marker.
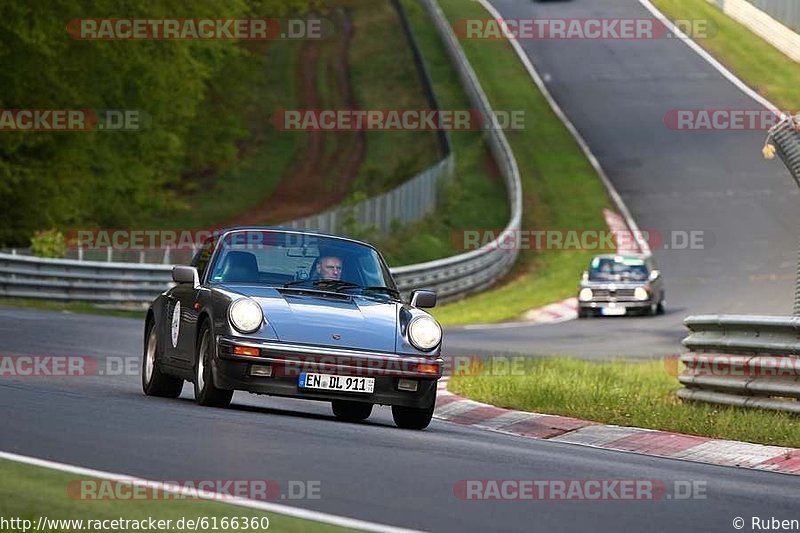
(553, 313)
(549, 314)
(453, 408)
(618, 226)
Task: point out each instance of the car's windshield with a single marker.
(618, 269)
(298, 260)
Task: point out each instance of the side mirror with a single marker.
(654, 275)
(585, 275)
(424, 299)
(185, 274)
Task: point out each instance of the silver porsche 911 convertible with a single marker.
(296, 314)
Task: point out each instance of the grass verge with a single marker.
(561, 190)
(30, 492)
(625, 394)
(69, 307)
(755, 61)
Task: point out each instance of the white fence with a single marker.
(786, 11)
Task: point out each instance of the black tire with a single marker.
(583, 313)
(412, 417)
(351, 411)
(154, 381)
(205, 392)
(660, 308)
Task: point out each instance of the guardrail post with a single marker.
(796, 311)
(783, 139)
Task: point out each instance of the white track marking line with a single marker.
(286, 510)
(612, 191)
(730, 76)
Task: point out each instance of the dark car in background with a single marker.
(621, 284)
(296, 314)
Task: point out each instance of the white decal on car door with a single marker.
(176, 324)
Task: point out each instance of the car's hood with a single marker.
(329, 320)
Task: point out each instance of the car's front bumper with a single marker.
(628, 306)
(288, 361)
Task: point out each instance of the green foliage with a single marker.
(49, 243)
(195, 92)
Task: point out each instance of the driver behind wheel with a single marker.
(329, 267)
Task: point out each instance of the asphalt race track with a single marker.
(371, 471)
(617, 93)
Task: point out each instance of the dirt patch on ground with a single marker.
(316, 181)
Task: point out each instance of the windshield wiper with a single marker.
(388, 290)
(296, 282)
(323, 283)
(335, 284)
(340, 285)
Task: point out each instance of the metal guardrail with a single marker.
(785, 137)
(747, 361)
(120, 284)
(785, 11)
(114, 284)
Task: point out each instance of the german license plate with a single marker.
(337, 383)
(613, 311)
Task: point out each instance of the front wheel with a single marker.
(351, 411)
(412, 417)
(205, 392)
(154, 381)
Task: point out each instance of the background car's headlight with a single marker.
(585, 295)
(640, 293)
(246, 315)
(424, 333)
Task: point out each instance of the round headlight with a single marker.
(424, 333)
(246, 315)
(585, 295)
(640, 293)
